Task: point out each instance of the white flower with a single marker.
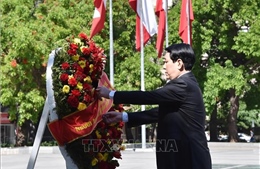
(116, 147)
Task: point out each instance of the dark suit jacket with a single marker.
(181, 141)
(143, 117)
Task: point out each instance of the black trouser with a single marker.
(173, 154)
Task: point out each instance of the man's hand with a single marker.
(103, 92)
(112, 117)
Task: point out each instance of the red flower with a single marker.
(110, 132)
(120, 108)
(86, 69)
(88, 98)
(73, 46)
(86, 51)
(79, 68)
(72, 81)
(79, 76)
(76, 66)
(75, 93)
(72, 52)
(97, 144)
(83, 36)
(65, 65)
(98, 68)
(121, 124)
(101, 125)
(115, 132)
(94, 75)
(73, 101)
(93, 47)
(64, 77)
(87, 87)
(117, 154)
(13, 63)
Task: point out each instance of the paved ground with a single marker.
(224, 156)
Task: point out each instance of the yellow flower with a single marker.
(87, 79)
(98, 134)
(108, 141)
(82, 64)
(112, 124)
(105, 156)
(119, 129)
(94, 161)
(75, 57)
(91, 67)
(82, 106)
(77, 41)
(122, 147)
(100, 157)
(79, 86)
(66, 89)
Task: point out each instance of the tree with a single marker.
(29, 31)
(230, 82)
(217, 31)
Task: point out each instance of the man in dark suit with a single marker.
(181, 141)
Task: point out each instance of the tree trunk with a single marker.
(232, 116)
(154, 132)
(25, 134)
(213, 125)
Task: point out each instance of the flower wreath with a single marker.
(77, 69)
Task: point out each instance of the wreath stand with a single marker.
(48, 112)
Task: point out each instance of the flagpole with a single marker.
(188, 19)
(111, 58)
(166, 23)
(142, 72)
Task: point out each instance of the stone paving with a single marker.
(224, 156)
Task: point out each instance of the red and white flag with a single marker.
(99, 17)
(185, 21)
(144, 9)
(160, 11)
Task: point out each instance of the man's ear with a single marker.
(180, 64)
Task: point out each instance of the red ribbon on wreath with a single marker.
(81, 123)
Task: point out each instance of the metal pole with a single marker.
(111, 43)
(142, 72)
(253, 124)
(166, 22)
(188, 18)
